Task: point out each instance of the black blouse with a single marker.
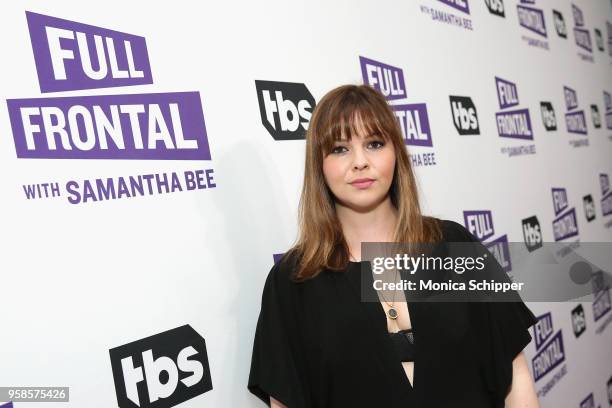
(318, 345)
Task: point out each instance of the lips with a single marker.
(362, 183)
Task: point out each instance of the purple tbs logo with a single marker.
(565, 224)
(480, 224)
(75, 56)
(575, 120)
(389, 80)
(514, 123)
(606, 194)
(550, 351)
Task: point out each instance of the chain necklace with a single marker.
(392, 311)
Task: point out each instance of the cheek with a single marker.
(331, 170)
(387, 164)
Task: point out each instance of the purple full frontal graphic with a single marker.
(479, 223)
(532, 19)
(414, 124)
(559, 197)
(387, 79)
(507, 93)
(461, 5)
(157, 126)
(74, 56)
(571, 98)
(515, 124)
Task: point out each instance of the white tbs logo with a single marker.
(161, 371)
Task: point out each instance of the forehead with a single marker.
(358, 127)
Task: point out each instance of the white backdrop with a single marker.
(80, 279)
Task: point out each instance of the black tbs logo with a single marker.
(161, 371)
(464, 114)
(559, 24)
(285, 108)
(532, 233)
(578, 320)
(599, 39)
(496, 7)
(595, 116)
(610, 391)
(589, 207)
(548, 116)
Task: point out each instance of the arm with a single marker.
(276, 404)
(522, 391)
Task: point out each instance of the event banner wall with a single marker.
(152, 157)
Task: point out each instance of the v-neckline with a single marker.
(378, 315)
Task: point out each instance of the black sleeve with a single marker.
(505, 328)
(273, 370)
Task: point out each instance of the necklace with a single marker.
(392, 311)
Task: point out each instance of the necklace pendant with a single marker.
(392, 313)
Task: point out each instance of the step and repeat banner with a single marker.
(152, 157)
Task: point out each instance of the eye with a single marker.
(378, 142)
(335, 149)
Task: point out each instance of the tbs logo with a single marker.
(496, 7)
(599, 39)
(559, 24)
(595, 116)
(285, 108)
(548, 116)
(532, 233)
(464, 113)
(589, 207)
(578, 321)
(610, 391)
(162, 370)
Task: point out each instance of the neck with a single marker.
(374, 225)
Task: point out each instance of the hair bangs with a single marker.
(353, 115)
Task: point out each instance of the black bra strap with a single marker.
(403, 341)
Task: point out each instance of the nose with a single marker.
(360, 161)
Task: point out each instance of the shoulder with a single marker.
(281, 273)
(452, 231)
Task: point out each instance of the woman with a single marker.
(318, 345)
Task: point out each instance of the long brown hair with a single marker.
(321, 243)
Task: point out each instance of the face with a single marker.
(364, 157)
